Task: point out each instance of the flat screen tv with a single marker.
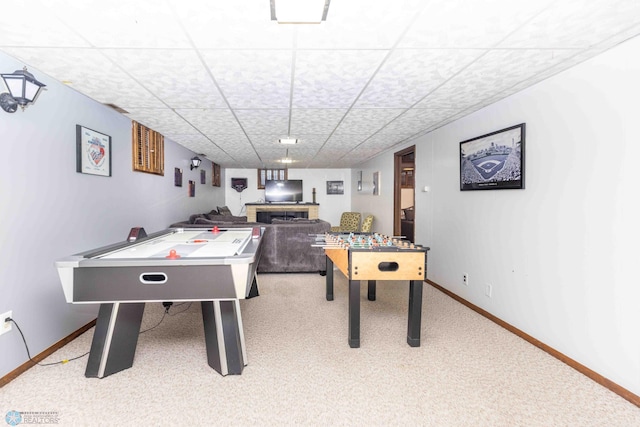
(283, 190)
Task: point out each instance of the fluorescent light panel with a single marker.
(288, 141)
(299, 11)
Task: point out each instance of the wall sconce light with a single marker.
(23, 90)
(195, 162)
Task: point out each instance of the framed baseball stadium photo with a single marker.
(494, 161)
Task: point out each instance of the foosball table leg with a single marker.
(354, 313)
(329, 279)
(371, 290)
(415, 313)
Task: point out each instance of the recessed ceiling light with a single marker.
(286, 159)
(288, 141)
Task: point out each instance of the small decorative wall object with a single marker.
(359, 180)
(215, 174)
(239, 184)
(177, 180)
(376, 183)
(494, 161)
(203, 176)
(93, 152)
(192, 188)
(335, 187)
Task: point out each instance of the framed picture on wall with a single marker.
(177, 177)
(494, 161)
(335, 187)
(93, 152)
(203, 176)
(192, 188)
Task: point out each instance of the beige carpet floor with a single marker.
(301, 370)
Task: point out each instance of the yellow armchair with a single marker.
(349, 221)
(367, 224)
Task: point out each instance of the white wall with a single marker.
(50, 211)
(561, 254)
(331, 205)
(381, 205)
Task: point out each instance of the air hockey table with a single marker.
(214, 266)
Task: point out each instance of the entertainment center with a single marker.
(266, 212)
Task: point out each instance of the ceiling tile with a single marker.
(211, 121)
(367, 120)
(177, 77)
(494, 72)
(354, 24)
(163, 121)
(237, 24)
(109, 84)
(139, 23)
(464, 24)
(575, 24)
(315, 121)
(413, 121)
(332, 79)
(410, 74)
(267, 121)
(42, 28)
(252, 78)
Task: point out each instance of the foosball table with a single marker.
(375, 257)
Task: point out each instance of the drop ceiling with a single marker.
(222, 79)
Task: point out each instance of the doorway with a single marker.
(404, 193)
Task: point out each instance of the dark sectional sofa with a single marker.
(286, 243)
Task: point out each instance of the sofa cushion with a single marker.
(205, 221)
(192, 218)
(224, 210)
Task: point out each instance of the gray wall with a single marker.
(48, 210)
(562, 254)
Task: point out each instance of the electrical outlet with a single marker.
(465, 279)
(488, 290)
(6, 326)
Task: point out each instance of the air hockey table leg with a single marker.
(115, 339)
(224, 336)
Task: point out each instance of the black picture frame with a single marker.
(335, 187)
(494, 161)
(177, 177)
(93, 152)
(203, 176)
